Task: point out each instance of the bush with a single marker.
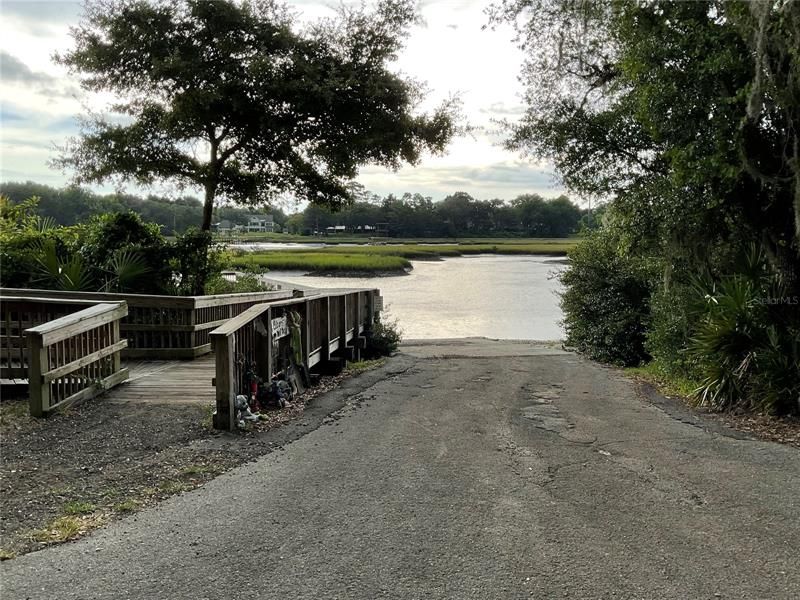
(606, 299)
(245, 282)
(383, 339)
(195, 261)
(746, 341)
(667, 338)
(126, 254)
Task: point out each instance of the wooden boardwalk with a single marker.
(167, 382)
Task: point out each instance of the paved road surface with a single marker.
(474, 470)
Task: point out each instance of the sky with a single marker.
(451, 52)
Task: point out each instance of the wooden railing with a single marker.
(75, 357)
(158, 327)
(19, 314)
(331, 324)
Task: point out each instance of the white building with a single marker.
(260, 224)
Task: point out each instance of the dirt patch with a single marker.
(65, 475)
(782, 430)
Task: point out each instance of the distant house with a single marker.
(335, 229)
(223, 226)
(260, 224)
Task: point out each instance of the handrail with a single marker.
(164, 327)
(75, 357)
(64, 327)
(232, 325)
(331, 324)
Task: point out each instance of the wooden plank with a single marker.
(144, 300)
(39, 393)
(241, 298)
(88, 318)
(224, 391)
(93, 390)
(84, 361)
(156, 327)
(243, 319)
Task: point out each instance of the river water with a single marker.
(504, 297)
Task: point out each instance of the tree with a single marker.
(233, 98)
(686, 112)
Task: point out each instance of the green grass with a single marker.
(66, 528)
(667, 383)
(320, 261)
(79, 508)
(360, 366)
(385, 258)
(126, 506)
(174, 487)
(200, 469)
(364, 239)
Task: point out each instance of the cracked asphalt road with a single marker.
(474, 469)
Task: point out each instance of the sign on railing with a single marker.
(280, 327)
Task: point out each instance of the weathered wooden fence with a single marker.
(156, 327)
(331, 323)
(75, 357)
(21, 313)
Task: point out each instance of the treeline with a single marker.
(459, 214)
(71, 205)
(411, 215)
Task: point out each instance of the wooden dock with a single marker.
(72, 346)
(167, 382)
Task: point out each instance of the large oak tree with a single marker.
(243, 101)
(687, 112)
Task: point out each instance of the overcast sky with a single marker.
(39, 103)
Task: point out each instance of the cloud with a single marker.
(497, 180)
(10, 114)
(13, 69)
(39, 17)
(501, 110)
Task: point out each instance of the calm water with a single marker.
(506, 297)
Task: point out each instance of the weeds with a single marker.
(173, 487)
(7, 554)
(66, 528)
(79, 508)
(126, 506)
(361, 366)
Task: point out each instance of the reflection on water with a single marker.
(506, 297)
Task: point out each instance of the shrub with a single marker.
(383, 339)
(245, 282)
(195, 261)
(128, 255)
(746, 341)
(667, 338)
(606, 299)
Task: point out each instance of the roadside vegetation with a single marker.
(116, 252)
(694, 274)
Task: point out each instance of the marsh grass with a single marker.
(388, 258)
(321, 261)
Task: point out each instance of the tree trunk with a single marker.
(211, 180)
(208, 205)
